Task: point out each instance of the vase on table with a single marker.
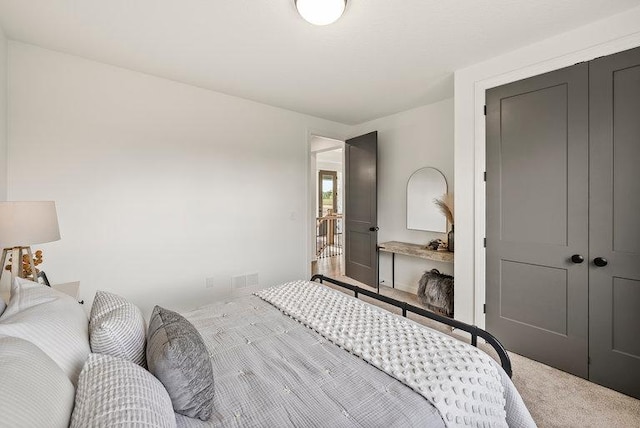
(450, 239)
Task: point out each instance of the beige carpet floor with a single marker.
(554, 398)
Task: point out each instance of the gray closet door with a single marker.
(361, 208)
(537, 217)
(614, 289)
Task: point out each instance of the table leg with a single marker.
(393, 270)
(378, 269)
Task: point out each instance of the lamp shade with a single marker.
(25, 223)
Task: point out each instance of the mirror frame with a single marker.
(446, 190)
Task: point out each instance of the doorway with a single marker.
(351, 242)
(327, 222)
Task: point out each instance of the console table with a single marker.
(411, 250)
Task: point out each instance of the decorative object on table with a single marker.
(42, 278)
(445, 204)
(435, 291)
(23, 224)
(435, 244)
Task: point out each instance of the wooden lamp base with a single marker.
(16, 261)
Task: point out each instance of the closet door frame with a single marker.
(528, 67)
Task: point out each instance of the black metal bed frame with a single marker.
(475, 332)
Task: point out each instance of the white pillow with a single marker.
(52, 321)
(3, 306)
(35, 392)
(117, 328)
(113, 392)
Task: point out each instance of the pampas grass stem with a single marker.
(445, 205)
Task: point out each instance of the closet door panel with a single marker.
(537, 217)
(614, 289)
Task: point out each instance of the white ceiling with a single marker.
(381, 57)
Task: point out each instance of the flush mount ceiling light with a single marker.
(321, 12)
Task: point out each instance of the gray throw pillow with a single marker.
(178, 357)
(113, 392)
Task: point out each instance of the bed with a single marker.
(296, 355)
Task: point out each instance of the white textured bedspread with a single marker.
(461, 381)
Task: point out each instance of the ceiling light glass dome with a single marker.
(321, 12)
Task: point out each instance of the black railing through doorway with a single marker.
(329, 236)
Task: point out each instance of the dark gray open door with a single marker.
(361, 208)
(537, 217)
(614, 287)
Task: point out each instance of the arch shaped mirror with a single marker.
(425, 185)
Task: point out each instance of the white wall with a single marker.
(3, 115)
(603, 37)
(158, 184)
(409, 141)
